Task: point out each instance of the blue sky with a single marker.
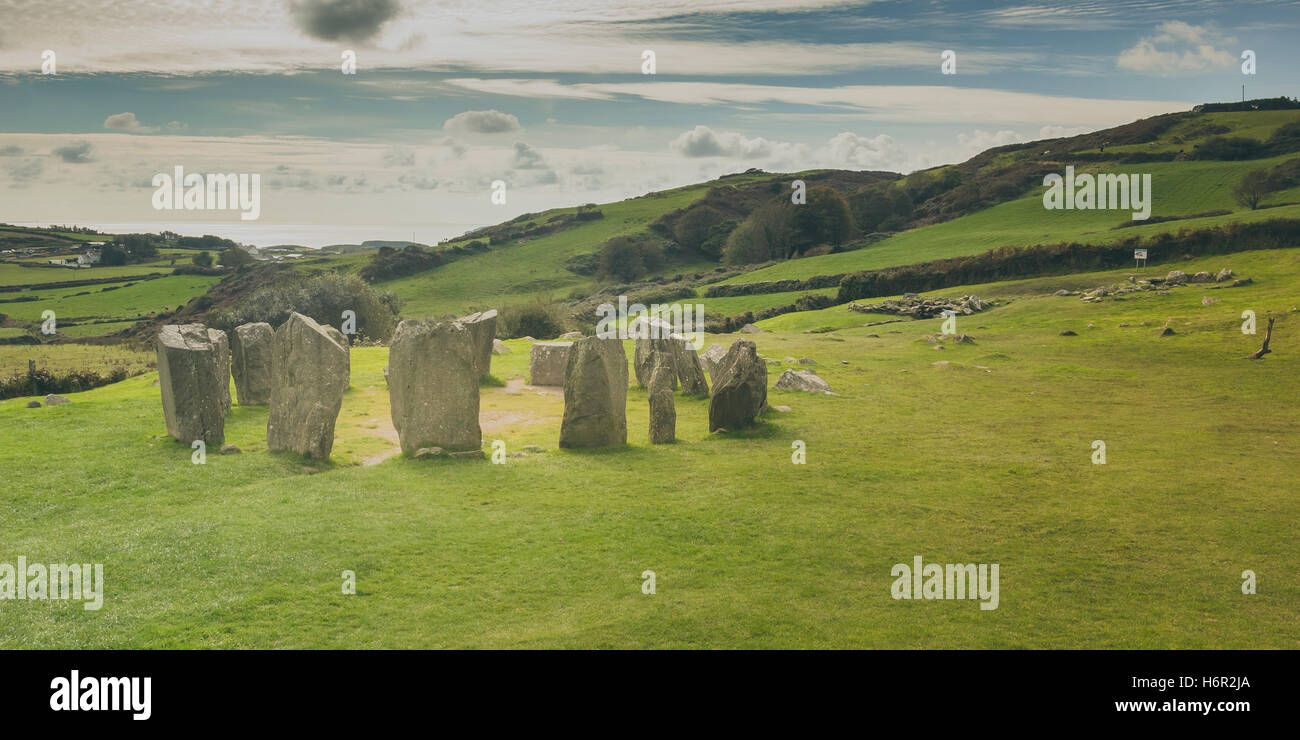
(550, 97)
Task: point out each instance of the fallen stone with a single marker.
(782, 409)
(807, 361)
(1208, 300)
(310, 369)
(595, 395)
(230, 449)
(250, 352)
(467, 455)
(739, 388)
(1176, 277)
(33, 404)
(433, 387)
(499, 347)
(189, 383)
(1224, 274)
(426, 452)
(1069, 333)
(750, 329)
(548, 362)
(802, 380)
(53, 400)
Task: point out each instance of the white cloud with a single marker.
(1178, 48)
(482, 122)
(125, 122)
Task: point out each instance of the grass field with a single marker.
(986, 459)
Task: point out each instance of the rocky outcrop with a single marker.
(433, 385)
(310, 370)
(923, 308)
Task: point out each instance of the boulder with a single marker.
(53, 400)
(33, 404)
(482, 327)
(750, 329)
(548, 362)
(663, 412)
(802, 380)
(1202, 277)
(711, 357)
(310, 370)
(190, 384)
(595, 395)
(433, 385)
(807, 361)
(739, 388)
(499, 347)
(1222, 275)
(250, 354)
(221, 356)
(1176, 277)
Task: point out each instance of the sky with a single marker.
(553, 98)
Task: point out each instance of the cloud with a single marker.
(703, 141)
(399, 156)
(26, 170)
(1059, 132)
(1177, 48)
(482, 122)
(352, 20)
(77, 152)
(851, 150)
(126, 122)
(527, 158)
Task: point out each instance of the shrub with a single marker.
(324, 298)
(536, 319)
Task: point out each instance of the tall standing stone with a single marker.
(595, 395)
(482, 327)
(222, 358)
(739, 388)
(548, 363)
(687, 367)
(190, 383)
(663, 413)
(433, 385)
(643, 360)
(309, 373)
(250, 352)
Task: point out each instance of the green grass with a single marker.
(144, 298)
(63, 358)
(954, 463)
(13, 274)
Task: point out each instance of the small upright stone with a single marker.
(548, 363)
(310, 371)
(739, 388)
(482, 327)
(663, 412)
(595, 395)
(433, 385)
(188, 379)
(250, 352)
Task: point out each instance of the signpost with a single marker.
(1140, 257)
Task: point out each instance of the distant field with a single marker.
(61, 358)
(145, 298)
(12, 274)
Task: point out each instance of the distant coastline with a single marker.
(310, 236)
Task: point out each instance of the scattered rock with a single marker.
(548, 362)
(1224, 274)
(1202, 277)
(808, 361)
(739, 388)
(1123, 326)
(1241, 282)
(782, 409)
(250, 351)
(190, 384)
(923, 308)
(433, 389)
(310, 370)
(595, 395)
(33, 404)
(802, 380)
(231, 449)
(788, 359)
(1166, 332)
(750, 329)
(1208, 300)
(1176, 277)
(499, 347)
(53, 400)
(1069, 333)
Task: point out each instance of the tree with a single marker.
(767, 234)
(693, 227)
(1252, 189)
(202, 259)
(620, 259)
(824, 219)
(234, 257)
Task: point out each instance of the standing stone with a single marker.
(644, 357)
(686, 364)
(250, 351)
(222, 357)
(548, 362)
(663, 414)
(482, 327)
(433, 385)
(309, 373)
(710, 359)
(191, 390)
(739, 388)
(595, 394)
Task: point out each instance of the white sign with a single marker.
(1139, 254)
